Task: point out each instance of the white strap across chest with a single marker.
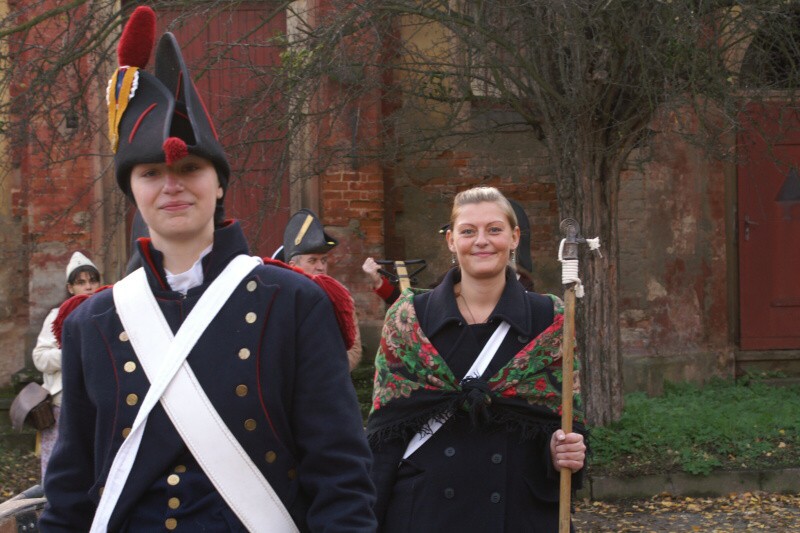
(475, 371)
(173, 383)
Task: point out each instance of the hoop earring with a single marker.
(514, 256)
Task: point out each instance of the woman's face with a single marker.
(84, 283)
(177, 201)
(482, 239)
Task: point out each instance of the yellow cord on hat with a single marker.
(302, 233)
(117, 106)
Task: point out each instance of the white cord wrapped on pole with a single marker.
(569, 267)
(569, 271)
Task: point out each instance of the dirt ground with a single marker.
(749, 511)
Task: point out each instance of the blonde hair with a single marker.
(477, 195)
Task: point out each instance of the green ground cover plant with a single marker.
(721, 425)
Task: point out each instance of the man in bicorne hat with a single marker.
(207, 390)
(305, 246)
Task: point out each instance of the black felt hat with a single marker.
(524, 248)
(304, 234)
(157, 118)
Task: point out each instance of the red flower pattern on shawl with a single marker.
(407, 362)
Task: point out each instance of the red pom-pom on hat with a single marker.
(138, 38)
(175, 149)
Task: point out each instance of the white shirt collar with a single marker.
(191, 278)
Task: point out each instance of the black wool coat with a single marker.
(466, 479)
(274, 365)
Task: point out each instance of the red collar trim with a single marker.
(144, 247)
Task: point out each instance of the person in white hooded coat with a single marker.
(82, 277)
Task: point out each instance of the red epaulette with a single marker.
(343, 304)
(69, 305)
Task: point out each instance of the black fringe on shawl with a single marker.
(404, 418)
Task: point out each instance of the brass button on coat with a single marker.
(180, 469)
(271, 456)
(126, 432)
(251, 285)
(131, 399)
(174, 503)
(129, 367)
(170, 523)
(244, 353)
(241, 390)
(249, 424)
(250, 317)
(123, 336)
(173, 479)
(292, 473)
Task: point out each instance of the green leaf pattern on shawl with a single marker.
(407, 362)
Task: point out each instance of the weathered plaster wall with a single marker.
(673, 268)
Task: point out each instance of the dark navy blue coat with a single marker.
(274, 365)
(496, 480)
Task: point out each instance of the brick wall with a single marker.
(54, 192)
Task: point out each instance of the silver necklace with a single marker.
(466, 304)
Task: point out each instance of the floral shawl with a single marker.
(413, 384)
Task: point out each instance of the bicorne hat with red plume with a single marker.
(157, 118)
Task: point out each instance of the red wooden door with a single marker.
(231, 55)
(768, 231)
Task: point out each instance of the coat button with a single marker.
(449, 451)
(173, 479)
(270, 456)
(250, 317)
(241, 391)
(449, 493)
(244, 353)
(129, 367)
(251, 285)
(170, 523)
(249, 424)
(497, 458)
(123, 336)
(173, 503)
(131, 399)
(126, 432)
(522, 339)
(495, 497)
(292, 473)
(180, 469)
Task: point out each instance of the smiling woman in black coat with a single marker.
(480, 453)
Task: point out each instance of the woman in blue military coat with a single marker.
(272, 362)
(480, 453)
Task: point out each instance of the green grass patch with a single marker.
(722, 425)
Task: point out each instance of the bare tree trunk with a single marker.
(588, 188)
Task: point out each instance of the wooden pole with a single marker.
(402, 275)
(568, 348)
